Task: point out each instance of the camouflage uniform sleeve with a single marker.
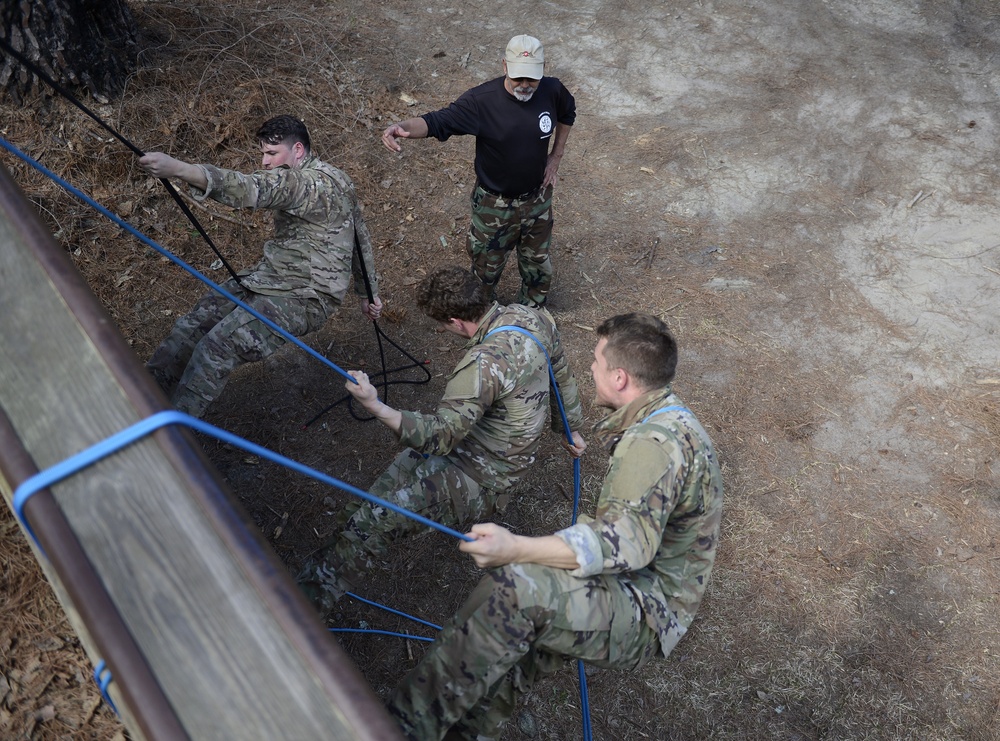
(363, 238)
(635, 502)
(568, 390)
(280, 189)
(229, 187)
(471, 390)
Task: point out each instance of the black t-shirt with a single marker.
(512, 138)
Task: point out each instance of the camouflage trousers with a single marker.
(522, 621)
(500, 225)
(193, 363)
(433, 487)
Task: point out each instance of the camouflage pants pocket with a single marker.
(597, 619)
(173, 354)
(500, 225)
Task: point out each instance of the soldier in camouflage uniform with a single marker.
(514, 119)
(464, 456)
(298, 284)
(614, 590)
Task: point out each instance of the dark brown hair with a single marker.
(452, 293)
(641, 345)
(284, 130)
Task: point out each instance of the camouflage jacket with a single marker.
(659, 511)
(494, 408)
(316, 213)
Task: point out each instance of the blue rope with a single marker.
(559, 404)
(581, 673)
(394, 612)
(102, 675)
(170, 256)
(106, 447)
(126, 437)
(661, 410)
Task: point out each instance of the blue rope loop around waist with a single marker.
(552, 375)
(661, 410)
(693, 423)
(173, 258)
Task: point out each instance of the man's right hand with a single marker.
(493, 545)
(390, 135)
(367, 395)
(411, 128)
(161, 165)
(363, 390)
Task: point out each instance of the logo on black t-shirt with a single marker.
(545, 124)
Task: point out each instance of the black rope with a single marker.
(166, 183)
(379, 336)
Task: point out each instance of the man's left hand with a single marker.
(578, 446)
(372, 310)
(551, 170)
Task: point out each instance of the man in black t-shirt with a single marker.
(514, 119)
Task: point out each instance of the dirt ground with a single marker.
(806, 191)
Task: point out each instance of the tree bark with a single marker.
(87, 44)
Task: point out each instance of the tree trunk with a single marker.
(78, 43)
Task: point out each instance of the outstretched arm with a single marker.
(162, 165)
(411, 128)
(497, 546)
(367, 395)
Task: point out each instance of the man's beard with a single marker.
(524, 94)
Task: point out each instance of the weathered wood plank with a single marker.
(237, 652)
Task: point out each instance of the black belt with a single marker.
(522, 197)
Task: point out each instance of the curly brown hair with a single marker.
(643, 346)
(452, 293)
(284, 129)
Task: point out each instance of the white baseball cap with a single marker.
(525, 57)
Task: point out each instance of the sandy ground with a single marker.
(806, 191)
